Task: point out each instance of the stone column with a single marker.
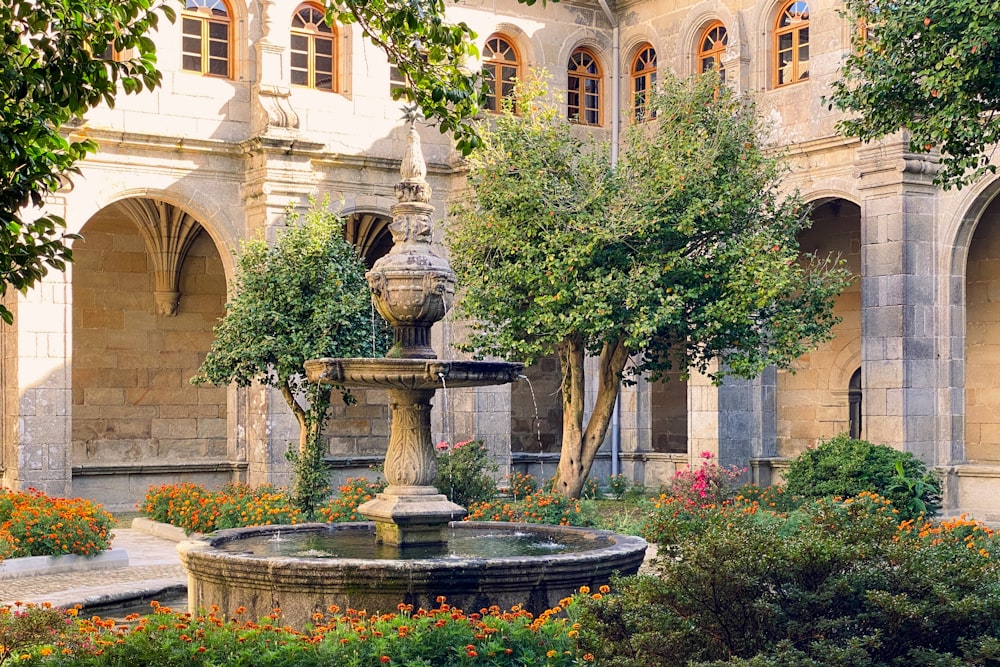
(735, 421)
(37, 378)
(900, 365)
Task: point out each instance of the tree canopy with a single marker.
(930, 68)
(304, 297)
(56, 63)
(684, 254)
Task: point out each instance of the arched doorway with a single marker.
(814, 402)
(148, 287)
(982, 340)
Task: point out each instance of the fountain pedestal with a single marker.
(410, 511)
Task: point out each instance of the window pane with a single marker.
(300, 43)
(324, 64)
(300, 77)
(218, 30)
(192, 63)
(324, 81)
(324, 47)
(191, 45)
(219, 67)
(191, 27)
(300, 60)
(218, 49)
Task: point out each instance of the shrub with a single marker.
(34, 524)
(465, 472)
(843, 466)
(443, 636)
(708, 484)
(834, 583)
(198, 510)
(357, 491)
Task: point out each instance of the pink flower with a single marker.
(442, 445)
(707, 455)
(459, 445)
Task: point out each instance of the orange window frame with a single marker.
(711, 49)
(585, 97)
(791, 44)
(207, 38)
(313, 43)
(643, 80)
(503, 62)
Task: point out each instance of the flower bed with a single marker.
(34, 524)
(443, 636)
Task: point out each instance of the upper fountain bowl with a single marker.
(411, 373)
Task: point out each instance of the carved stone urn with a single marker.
(412, 286)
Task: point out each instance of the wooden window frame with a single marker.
(646, 75)
(719, 36)
(494, 64)
(312, 36)
(797, 14)
(202, 13)
(582, 75)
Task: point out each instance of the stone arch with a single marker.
(814, 403)
(697, 20)
(136, 418)
(369, 232)
(526, 45)
(973, 290)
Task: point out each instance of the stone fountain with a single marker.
(409, 551)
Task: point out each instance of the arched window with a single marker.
(643, 82)
(312, 55)
(854, 405)
(501, 68)
(791, 43)
(583, 86)
(711, 48)
(206, 26)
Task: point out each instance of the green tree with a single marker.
(684, 254)
(931, 68)
(302, 298)
(55, 65)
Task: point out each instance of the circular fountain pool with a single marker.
(306, 568)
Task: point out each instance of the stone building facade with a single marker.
(261, 108)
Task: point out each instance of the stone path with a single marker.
(153, 570)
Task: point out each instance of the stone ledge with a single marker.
(162, 530)
(30, 566)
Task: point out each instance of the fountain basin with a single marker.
(416, 374)
(222, 571)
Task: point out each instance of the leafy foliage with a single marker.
(53, 68)
(838, 583)
(684, 254)
(931, 68)
(27, 627)
(708, 484)
(465, 472)
(843, 466)
(302, 298)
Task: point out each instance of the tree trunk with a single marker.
(580, 443)
(300, 416)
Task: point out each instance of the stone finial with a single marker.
(413, 169)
